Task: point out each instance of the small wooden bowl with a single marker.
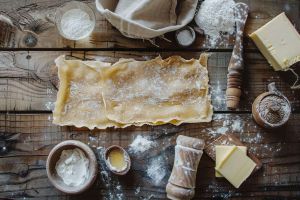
(54, 156)
(127, 160)
(273, 92)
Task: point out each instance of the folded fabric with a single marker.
(147, 18)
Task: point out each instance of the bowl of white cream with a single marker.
(75, 20)
(72, 167)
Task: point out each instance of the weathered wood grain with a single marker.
(36, 16)
(27, 139)
(27, 82)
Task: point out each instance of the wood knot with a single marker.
(30, 40)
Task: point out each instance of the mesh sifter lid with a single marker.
(274, 110)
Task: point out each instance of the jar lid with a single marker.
(274, 110)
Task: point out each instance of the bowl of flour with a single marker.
(72, 167)
(75, 20)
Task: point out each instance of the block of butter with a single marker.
(279, 42)
(222, 151)
(236, 167)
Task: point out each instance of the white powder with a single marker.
(216, 17)
(73, 167)
(156, 171)
(222, 130)
(50, 105)
(112, 186)
(137, 190)
(237, 125)
(185, 37)
(76, 24)
(140, 144)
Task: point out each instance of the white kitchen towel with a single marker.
(147, 19)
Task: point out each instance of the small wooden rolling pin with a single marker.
(236, 64)
(188, 152)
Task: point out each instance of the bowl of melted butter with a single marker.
(117, 160)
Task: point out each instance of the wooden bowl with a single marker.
(54, 156)
(273, 92)
(127, 160)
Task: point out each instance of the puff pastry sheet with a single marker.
(95, 94)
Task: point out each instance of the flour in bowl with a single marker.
(76, 24)
(73, 167)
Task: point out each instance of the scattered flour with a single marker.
(222, 130)
(76, 24)
(137, 190)
(50, 105)
(237, 125)
(140, 144)
(113, 188)
(156, 170)
(218, 191)
(216, 17)
(149, 197)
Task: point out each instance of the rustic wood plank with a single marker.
(26, 140)
(27, 82)
(37, 16)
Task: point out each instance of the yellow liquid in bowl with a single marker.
(116, 158)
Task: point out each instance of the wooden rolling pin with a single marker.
(188, 152)
(236, 64)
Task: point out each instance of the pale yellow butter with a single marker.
(279, 42)
(236, 167)
(222, 151)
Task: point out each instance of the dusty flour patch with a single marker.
(222, 130)
(93, 141)
(149, 197)
(141, 144)
(50, 105)
(50, 118)
(265, 150)
(219, 192)
(156, 170)
(137, 190)
(232, 125)
(218, 96)
(110, 182)
(237, 125)
(216, 18)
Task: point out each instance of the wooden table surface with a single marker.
(28, 89)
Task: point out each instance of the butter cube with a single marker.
(236, 167)
(222, 151)
(279, 42)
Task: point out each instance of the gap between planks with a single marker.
(154, 49)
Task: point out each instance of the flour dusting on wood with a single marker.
(108, 180)
(156, 170)
(141, 144)
(216, 18)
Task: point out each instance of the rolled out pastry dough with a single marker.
(95, 94)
